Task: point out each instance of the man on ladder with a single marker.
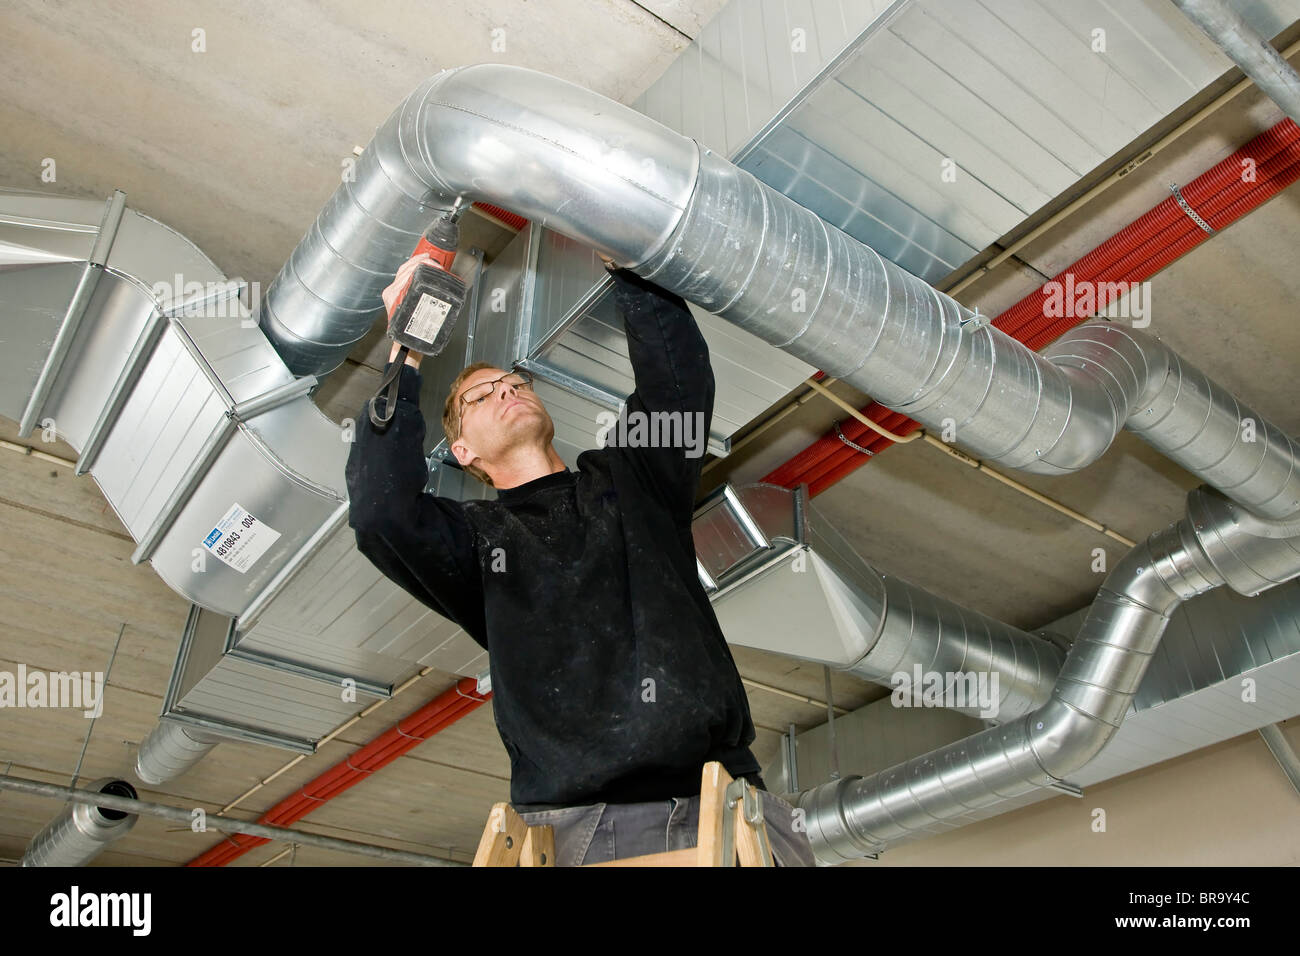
(612, 683)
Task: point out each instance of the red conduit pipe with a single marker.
(1167, 215)
(496, 212)
(404, 736)
(369, 758)
(312, 796)
(1218, 212)
(1160, 236)
(344, 775)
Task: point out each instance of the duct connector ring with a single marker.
(831, 834)
(1252, 553)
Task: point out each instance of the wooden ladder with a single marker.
(731, 825)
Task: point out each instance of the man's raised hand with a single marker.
(392, 294)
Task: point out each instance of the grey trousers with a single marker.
(615, 831)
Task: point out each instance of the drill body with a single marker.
(426, 313)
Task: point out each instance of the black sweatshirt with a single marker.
(611, 680)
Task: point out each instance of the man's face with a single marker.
(508, 417)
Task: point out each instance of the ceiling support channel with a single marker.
(1283, 752)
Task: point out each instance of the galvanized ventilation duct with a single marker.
(776, 270)
(81, 832)
(607, 176)
(703, 228)
(1217, 543)
(123, 340)
(560, 155)
(782, 579)
(1191, 697)
(169, 750)
(610, 178)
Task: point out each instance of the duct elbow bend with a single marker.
(579, 162)
(566, 157)
(1107, 371)
(1065, 739)
(1105, 666)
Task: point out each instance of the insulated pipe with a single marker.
(605, 175)
(82, 832)
(1250, 51)
(850, 818)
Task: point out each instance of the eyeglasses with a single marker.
(477, 395)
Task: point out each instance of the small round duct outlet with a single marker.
(81, 832)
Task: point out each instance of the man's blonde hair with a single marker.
(451, 410)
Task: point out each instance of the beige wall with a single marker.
(1226, 805)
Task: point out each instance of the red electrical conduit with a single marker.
(1220, 196)
(512, 220)
(404, 736)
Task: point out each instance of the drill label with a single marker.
(427, 318)
(239, 539)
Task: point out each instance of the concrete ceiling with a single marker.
(239, 147)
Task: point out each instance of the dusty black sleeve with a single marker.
(674, 390)
(421, 542)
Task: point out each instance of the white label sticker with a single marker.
(239, 539)
(428, 317)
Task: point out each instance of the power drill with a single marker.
(426, 312)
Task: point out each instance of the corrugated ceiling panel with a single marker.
(751, 60)
(1015, 101)
(254, 695)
